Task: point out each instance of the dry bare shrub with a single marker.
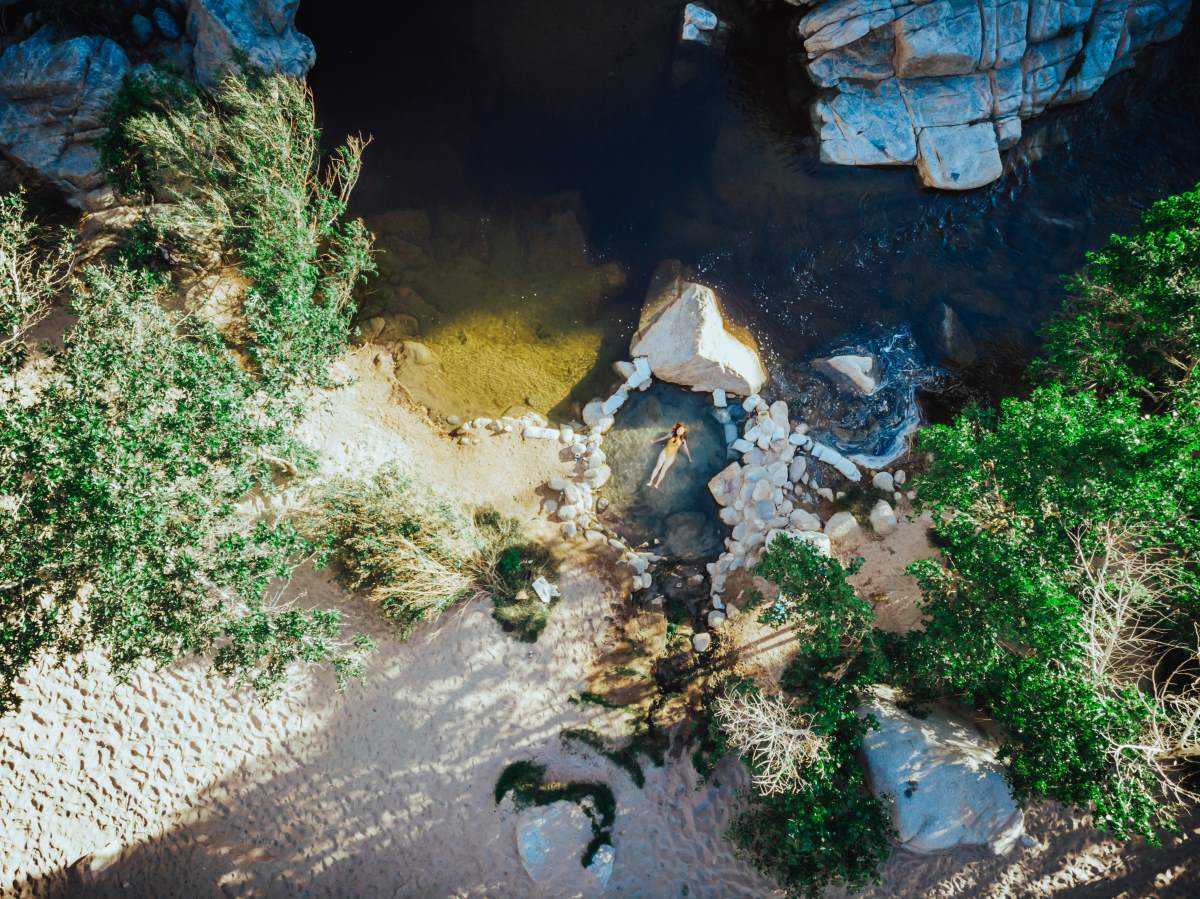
(1133, 643)
(779, 741)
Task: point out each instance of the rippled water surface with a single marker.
(579, 143)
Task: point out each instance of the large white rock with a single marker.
(944, 782)
(856, 372)
(683, 336)
(883, 518)
(551, 840)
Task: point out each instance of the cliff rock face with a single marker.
(944, 84)
(264, 31)
(53, 94)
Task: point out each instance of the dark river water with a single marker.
(708, 155)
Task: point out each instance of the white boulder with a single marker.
(944, 782)
(884, 481)
(551, 841)
(683, 336)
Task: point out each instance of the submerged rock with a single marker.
(943, 780)
(950, 336)
(53, 95)
(683, 336)
(945, 84)
(854, 371)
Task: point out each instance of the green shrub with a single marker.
(241, 170)
(506, 570)
(826, 828)
(1068, 597)
(118, 526)
(1132, 323)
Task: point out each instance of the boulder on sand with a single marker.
(683, 335)
(551, 840)
(943, 779)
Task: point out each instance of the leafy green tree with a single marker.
(119, 528)
(241, 173)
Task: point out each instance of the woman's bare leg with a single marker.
(665, 467)
(657, 468)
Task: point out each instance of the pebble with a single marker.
(550, 506)
(701, 642)
(624, 369)
(751, 402)
(900, 477)
(716, 618)
(719, 398)
(166, 24)
(883, 518)
(143, 30)
(566, 434)
(883, 481)
(569, 529)
(841, 525)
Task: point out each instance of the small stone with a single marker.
(605, 422)
(558, 485)
(719, 398)
(568, 513)
(883, 518)
(701, 642)
(569, 529)
(550, 506)
(601, 504)
(593, 412)
(716, 618)
(751, 402)
(625, 370)
(841, 526)
(595, 536)
(825, 493)
(883, 481)
(566, 434)
(166, 24)
(900, 477)
(142, 29)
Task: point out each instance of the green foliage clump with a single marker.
(526, 780)
(1132, 323)
(826, 829)
(118, 527)
(1067, 603)
(506, 570)
(241, 169)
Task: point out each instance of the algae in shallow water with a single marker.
(511, 309)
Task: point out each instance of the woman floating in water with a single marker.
(676, 439)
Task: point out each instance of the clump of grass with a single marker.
(415, 552)
(506, 570)
(526, 780)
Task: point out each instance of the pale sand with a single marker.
(387, 790)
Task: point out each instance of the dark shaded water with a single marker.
(708, 155)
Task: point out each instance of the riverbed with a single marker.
(556, 150)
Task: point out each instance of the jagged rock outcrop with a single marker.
(263, 31)
(683, 335)
(53, 94)
(944, 84)
(943, 780)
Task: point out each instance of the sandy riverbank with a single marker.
(188, 789)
